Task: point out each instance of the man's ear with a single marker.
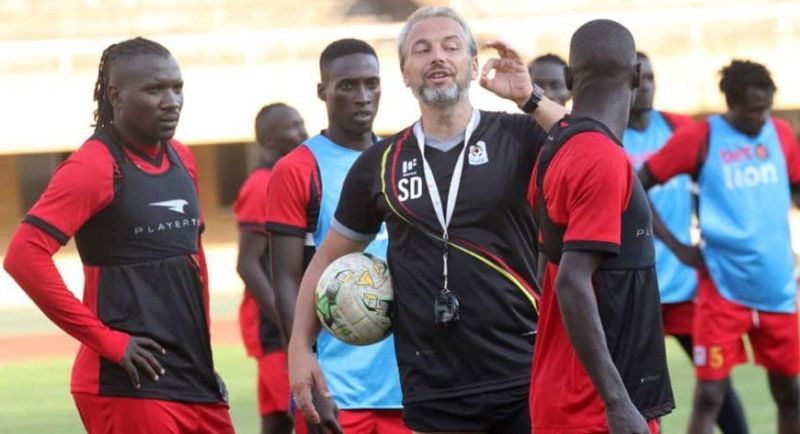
(568, 77)
(321, 91)
(636, 80)
(113, 95)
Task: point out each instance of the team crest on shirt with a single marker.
(477, 154)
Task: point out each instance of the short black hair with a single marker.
(740, 75)
(261, 118)
(641, 55)
(104, 113)
(602, 48)
(341, 48)
(549, 57)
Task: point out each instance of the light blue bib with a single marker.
(744, 218)
(359, 377)
(673, 201)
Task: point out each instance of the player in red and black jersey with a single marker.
(129, 196)
(599, 350)
(279, 129)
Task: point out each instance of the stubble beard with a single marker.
(442, 96)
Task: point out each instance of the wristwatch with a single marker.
(533, 101)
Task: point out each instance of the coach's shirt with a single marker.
(673, 201)
(260, 336)
(492, 254)
(744, 183)
(136, 223)
(588, 198)
(303, 192)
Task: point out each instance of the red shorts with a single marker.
(363, 422)
(678, 318)
(719, 327)
(123, 415)
(274, 394)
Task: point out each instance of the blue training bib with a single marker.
(744, 217)
(358, 376)
(673, 201)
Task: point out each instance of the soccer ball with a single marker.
(355, 299)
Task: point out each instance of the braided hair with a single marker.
(104, 113)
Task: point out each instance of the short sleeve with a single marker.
(292, 187)
(527, 132)
(590, 191)
(791, 151)
(357, 216)
(251, 203)
(682, 154)
(80, 187)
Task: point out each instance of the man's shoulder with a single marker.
(590, 149)
(92, 156)
(299, 160)
(375, 152)
(507, 118)
(675, 120)
(782, 125)
(258, 178)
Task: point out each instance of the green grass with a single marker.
(34, 396)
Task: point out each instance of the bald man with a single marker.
(600, 363)
(279, 129)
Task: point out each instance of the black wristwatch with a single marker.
(533, 101)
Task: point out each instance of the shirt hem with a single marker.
(349, 233)
(199, 399)
(285, 229)
(468, 390)
(592, 246)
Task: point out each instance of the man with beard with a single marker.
(747, 167)
(279, 129)
(547, 71)
(648, 130)
(452, 191)
(129, 196)
(303, 193)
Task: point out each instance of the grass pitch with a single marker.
(34, 396)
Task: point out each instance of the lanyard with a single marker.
(455, 184)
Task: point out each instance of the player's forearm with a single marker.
(548, 113)
(662, 232)
(286, 288)
(29, 261)
(306, 326)
(581, 319)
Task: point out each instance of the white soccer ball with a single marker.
(355, 299)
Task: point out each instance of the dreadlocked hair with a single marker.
(740, 75)
(104, 113)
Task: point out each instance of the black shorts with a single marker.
(498, 412)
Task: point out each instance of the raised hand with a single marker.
(510, 79)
